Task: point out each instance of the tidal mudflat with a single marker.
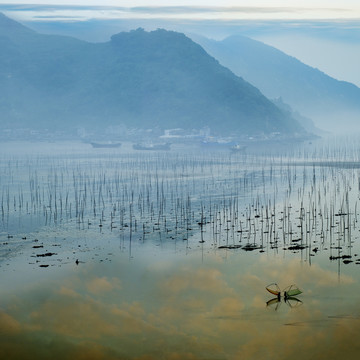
(116, 254)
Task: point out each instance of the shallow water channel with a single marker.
(118, 254)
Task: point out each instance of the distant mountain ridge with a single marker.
(327, 101)
(159, 79)
(9, 27)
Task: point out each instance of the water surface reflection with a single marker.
(121, 256)
(170, 306)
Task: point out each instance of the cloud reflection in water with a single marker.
(181, 308)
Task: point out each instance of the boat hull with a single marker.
(105, 145)
(152, 147)
(273, 289)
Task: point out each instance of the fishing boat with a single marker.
(293, 302)
(238, 148)
(288, 292)
(276, 302)
(291, 291)
(212, 142)
(274, 289)
(164, 146)
(105, 145)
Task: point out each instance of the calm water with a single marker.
(117, 254)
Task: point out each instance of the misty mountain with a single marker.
(159, 79)
(314, 94)
(305, 122)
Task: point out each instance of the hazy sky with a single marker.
(225, 9)
(282, 3)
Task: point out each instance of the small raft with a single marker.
(292, 290)
(289, 291)
(273, 289)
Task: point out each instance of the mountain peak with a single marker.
(141, 33)
(160, 41)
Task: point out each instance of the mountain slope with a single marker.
(158, 79)
(307, 90)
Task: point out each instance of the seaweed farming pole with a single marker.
(202, 221)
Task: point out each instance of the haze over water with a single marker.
(174, 256)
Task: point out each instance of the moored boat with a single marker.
(238, 148)
(164, 146)
(217, 142)
(105, 145)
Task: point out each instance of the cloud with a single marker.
(183, 311)
(294, 271)
(188, 278)
(8, 325)
(84, 13)
(78, 319)
(101, 285)
(228, 307)
(65, 291)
